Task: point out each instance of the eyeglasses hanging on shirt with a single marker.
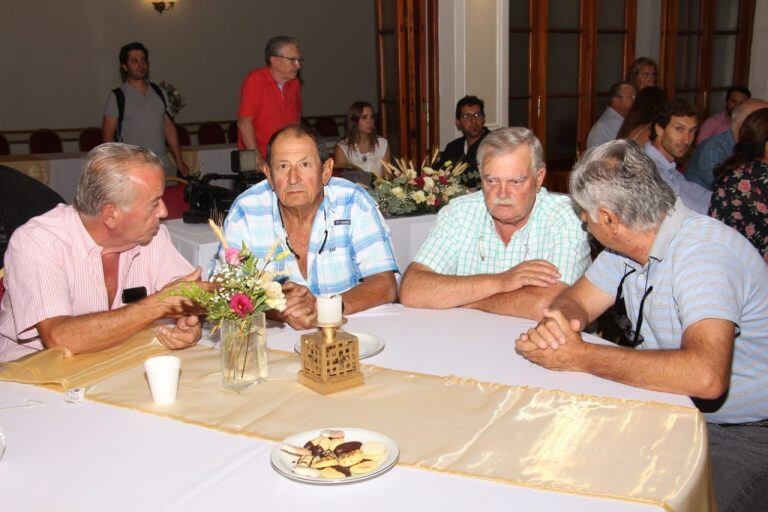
(288, 244)
(629, 337)
(481, 246)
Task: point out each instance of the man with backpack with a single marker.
(137, 111)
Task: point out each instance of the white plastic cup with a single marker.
(163, 377)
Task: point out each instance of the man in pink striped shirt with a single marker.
(67, 269)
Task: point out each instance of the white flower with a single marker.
(398, 192)
(431, 200)
(429, 183)
(410, 174)
(418, 196)
(275, 297)
(428, 171)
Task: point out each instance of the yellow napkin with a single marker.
(59, 370)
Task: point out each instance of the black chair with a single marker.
(232, 132)
(44, 141)
(21, 198)
(327, 127)
(184, 139)
(5, 148)
(210, 133)
(89, 138)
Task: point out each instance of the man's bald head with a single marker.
(741, 112)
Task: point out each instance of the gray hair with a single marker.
(621, 178)
(504, 141)
(105, 179)
(275, 44)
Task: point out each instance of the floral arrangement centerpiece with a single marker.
(175, 99)
(418, 190)
(245, 291)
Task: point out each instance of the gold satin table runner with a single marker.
(629, 450)
(55, 368)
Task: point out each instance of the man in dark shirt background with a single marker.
(470, 120)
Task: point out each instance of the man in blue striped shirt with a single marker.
(694, 295)
(337, 238)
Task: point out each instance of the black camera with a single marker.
(204, 198)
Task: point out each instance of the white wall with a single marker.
(58, 59)
(473, 46)
(648, 34)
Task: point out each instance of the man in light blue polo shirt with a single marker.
(509, 248)
(672, 133)
(691, 295)
(337, 238)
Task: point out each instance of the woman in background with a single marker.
(361, 146)
(740, 199)
(643, 73)
(637, 124)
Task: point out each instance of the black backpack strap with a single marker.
(120, 97)
(162, 97)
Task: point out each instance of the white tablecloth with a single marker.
(118, 459)
(198, 244)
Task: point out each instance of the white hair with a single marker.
(621, 178)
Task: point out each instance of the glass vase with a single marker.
(243, 352)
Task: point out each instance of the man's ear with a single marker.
(610, 219)
(267, 173)
(327, 170)
(540, 175)
(658, 130)
(110, 215)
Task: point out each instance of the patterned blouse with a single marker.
(740, 200)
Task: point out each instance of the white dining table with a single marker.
(92, 457)
(198, 244)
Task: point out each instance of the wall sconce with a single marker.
(161, 7)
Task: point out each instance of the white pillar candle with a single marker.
(329, 310)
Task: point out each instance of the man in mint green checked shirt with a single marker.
(509, 248)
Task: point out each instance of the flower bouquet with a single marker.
(236, 306)
(175, 99)
(422, 190)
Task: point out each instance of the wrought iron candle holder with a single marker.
(330, 359)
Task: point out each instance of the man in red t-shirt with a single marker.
(270, 97)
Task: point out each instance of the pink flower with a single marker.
(232, 256)
(744, 186)
(750, 229)
(761, 207)
(241, 304)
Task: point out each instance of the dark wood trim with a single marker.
(537, 74)
(744, 42)
(668, 45)
(704, 66)
(587, 71)
(380, 83)
(433, 110)
(630, 38)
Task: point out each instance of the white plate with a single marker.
(284, 463)
(369, 344)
